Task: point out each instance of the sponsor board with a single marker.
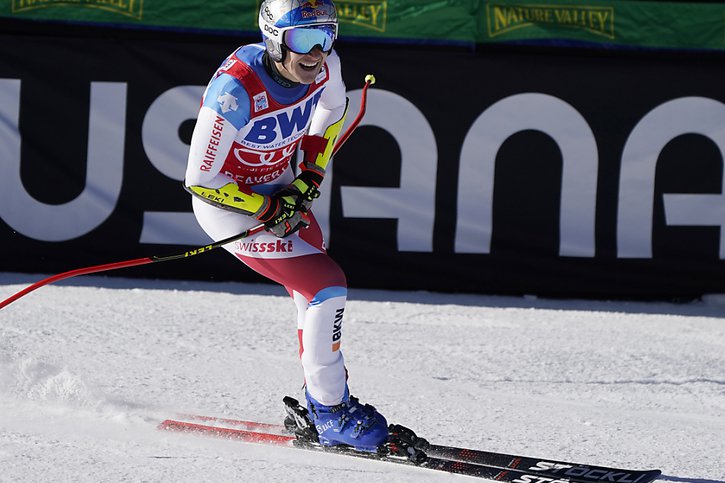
(129, 8)
(547, 166)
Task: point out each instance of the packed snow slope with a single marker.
(90, 366)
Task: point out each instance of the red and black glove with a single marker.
(282, 215)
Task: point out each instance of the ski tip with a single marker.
(165, 424)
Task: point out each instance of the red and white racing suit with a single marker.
(248, 130)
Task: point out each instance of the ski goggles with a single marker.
(302, 40)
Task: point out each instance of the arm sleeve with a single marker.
(224, 111)
(333, 100)
(327, 120)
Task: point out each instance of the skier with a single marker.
(266, 102)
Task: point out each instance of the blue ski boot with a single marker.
(348, 423)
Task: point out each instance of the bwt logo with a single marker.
(282, 124)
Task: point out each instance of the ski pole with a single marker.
(128, 263)
(369, 80)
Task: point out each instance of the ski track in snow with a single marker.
(90, 366)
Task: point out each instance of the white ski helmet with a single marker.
(297, 25)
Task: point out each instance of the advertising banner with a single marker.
(670, 25)
(374, 19)
(495, 172)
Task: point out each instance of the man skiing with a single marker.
(264, 104)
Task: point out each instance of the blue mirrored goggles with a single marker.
(302, 40)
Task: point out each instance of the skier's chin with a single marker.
(305, 74)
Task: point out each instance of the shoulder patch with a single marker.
(261, 102)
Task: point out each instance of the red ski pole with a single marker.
(369, 80)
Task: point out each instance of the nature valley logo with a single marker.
(130, 8)
(372, 14)
(505, 18)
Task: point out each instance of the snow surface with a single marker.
(90, 366)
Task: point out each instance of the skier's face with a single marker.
(303, 68)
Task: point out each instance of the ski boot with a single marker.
(348, 424)
(401, 442)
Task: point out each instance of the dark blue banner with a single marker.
(501, 171)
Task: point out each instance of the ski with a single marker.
(228, 433)
(576, 472)
(249, 425)
(405, 447)
(290, 441)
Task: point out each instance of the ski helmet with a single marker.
(297, 25)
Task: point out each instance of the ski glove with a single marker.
(306, 186)
(281, 214)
